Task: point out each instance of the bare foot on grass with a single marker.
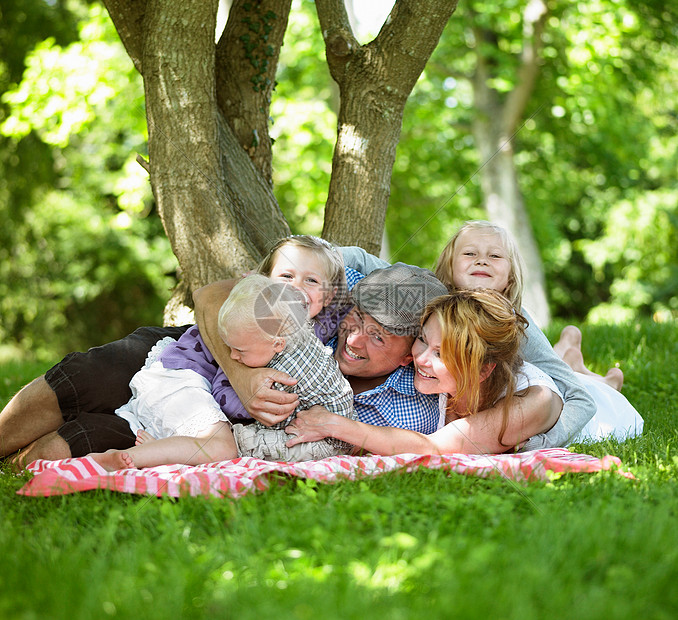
(113, 460)
(570, 338)
(615, 378)
(569, 349)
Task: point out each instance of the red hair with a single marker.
(479, 328)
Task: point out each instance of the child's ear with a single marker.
(329, 297)
(486, 371)
(278, 344)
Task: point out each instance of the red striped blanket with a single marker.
(245, 475)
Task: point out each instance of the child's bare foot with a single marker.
(569, 349)
(575, 360)
(143, 436)
(113, 460)
(570, 338)
(615, 378)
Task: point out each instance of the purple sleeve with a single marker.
(227, 399)
(326, 323)
(190, 353)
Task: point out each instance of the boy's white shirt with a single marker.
(578, 405)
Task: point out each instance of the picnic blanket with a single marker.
(246, 475)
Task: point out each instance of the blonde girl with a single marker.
(449, 268)
(479, 239)
(483, 254)
(315, 267)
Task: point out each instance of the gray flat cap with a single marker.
(395, 297)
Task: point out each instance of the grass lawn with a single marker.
(422, 545)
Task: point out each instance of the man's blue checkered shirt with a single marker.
(395, 402)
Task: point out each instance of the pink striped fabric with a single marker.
(246, 475)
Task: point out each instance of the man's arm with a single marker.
(254, 386)
(532, 413)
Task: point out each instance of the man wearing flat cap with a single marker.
(373, 347)
(373, 350)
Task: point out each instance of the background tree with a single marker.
(85, 258)
(82, 258)
(596, 129)
(208, 107)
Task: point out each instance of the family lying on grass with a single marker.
(430, 369)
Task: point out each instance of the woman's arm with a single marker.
(318, 423)
(361, 260)
(476, 434)
(578, 408)
(252, 385)
(534, 412)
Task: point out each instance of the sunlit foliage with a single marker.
(83, 257)
(596, 151)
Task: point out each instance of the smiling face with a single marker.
(366, 349)
(480, 261)
(432, 376)
(303, 269)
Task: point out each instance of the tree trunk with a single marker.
(496, 121)
(208, 105)
(505, 206)
(374, 82)
(217, 209)
(246, 62)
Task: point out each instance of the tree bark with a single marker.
(207, 108)
(218, 211)
(246, 63)
(374, 82)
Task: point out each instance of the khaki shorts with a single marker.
(269, 445)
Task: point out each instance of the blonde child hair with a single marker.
(480, 331)
(330, 258)
(276, 309)
(514, 288)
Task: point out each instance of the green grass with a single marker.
(424, 545)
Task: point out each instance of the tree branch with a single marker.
(128, 18)
(409, 36)
(250, 46)
(534, 20)
(375, 81)
(340, 42)
(213, 203)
